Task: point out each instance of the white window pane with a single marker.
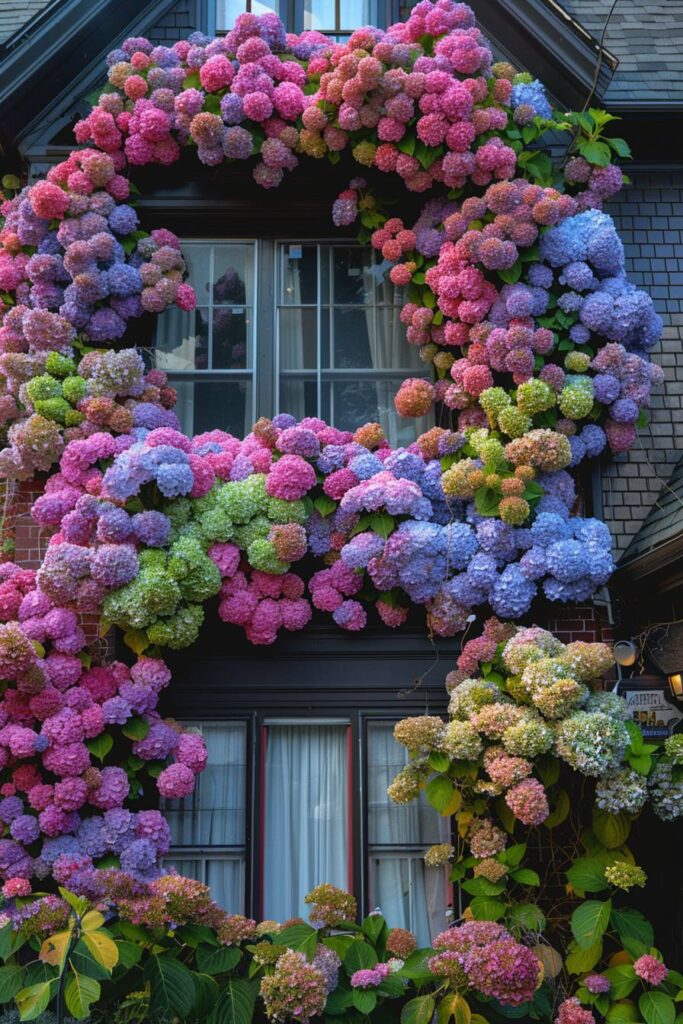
(233, 274)
(306, 791)
(320, 15)
(214, 815)
(350, 333)
(197, 256)
(371, 401)
(217, 335)
(182, 340)
(232, 338)
(299, 275)
(352, 273)
(409, 894)
(225, 878)
(299, 397)
(356, 13)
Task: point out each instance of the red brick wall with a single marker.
(582, 622)
(30, 544)
(30, 540)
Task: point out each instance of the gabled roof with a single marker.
(15, 14)
(658, 545)
(542, 37)
(647, 38)
(57, 59)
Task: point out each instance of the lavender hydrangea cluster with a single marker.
(78, 746)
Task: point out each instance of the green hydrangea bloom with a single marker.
(74, 389)
(255, 529)
(591, 742)
(181, 630)
(59, 365)
(280, 511)
(576, 402)
(535, 396)
(493, 401)
(529, 737)
(492, 454)
(514, 422)
(152, 593)
(244, 499)
(73, 418)
(42, 388)
(470, 696)
(577, 362)
(262, 555)
(55, 409)
(674, 748)
(178, 510)
(215, 525)
(197, 576)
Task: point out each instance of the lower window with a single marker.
(306, 827)
(321, 798)
(208, 829)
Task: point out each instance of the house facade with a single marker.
(293, 316)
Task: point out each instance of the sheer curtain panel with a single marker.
(305, 815)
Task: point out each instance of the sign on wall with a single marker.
(652, 706)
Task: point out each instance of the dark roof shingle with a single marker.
(664, 521)
(647, 37)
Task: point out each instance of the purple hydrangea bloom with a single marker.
(123, 219)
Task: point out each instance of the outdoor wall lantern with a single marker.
(625, 653)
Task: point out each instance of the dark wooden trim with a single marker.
(662, 567)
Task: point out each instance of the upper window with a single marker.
(341, 346)
(323, 328)
(337, 18)
(228, 10)
(209, 353)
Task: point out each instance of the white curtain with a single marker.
(223, 875)
(390, 350)
(306, 790)
(409, 894)
(214, 816)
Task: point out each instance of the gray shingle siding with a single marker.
(15, 13)
(647, 37)
(649, 217)
(177, 23)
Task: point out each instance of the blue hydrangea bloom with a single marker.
(531, 94)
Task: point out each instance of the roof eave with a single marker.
(551, 44)
(63, 49)
(663, 562)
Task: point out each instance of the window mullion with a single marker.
(212, 281)
(318, 349)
